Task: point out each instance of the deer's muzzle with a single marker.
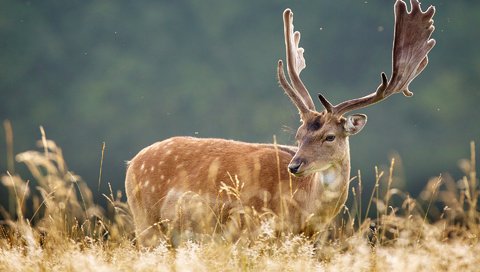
(295, 166)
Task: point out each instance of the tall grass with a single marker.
(67, 230)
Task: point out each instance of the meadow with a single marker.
(66, 230)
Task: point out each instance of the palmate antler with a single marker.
(411, 44)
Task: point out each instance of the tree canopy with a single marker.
(129, 73)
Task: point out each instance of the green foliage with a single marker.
(131, 73)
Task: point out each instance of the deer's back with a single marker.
(203, 167)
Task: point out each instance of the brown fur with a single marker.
(199, 167)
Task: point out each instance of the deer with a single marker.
(313, 176)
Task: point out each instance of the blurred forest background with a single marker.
(129, 73)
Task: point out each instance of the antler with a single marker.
(295, 64)
(411, 45)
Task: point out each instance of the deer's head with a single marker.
(323, 136)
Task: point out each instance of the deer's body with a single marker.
(165, 172)
(178, 179)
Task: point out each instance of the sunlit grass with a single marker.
(66, 230)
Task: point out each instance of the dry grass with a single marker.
(67, 231)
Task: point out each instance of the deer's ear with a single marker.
(355, 123)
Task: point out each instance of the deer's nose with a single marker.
(294, 166)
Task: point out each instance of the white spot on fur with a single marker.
(331, 178)
(152, 168)
(160, 163)
(213, 170)
(162, 177)
(153, 189)
(142, 167)
(168, 152)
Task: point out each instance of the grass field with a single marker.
(68, 231)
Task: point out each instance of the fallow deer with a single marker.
(313, 176)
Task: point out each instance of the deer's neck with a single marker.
(335, 177)
(327, 190)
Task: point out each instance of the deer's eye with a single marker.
(330, 138)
